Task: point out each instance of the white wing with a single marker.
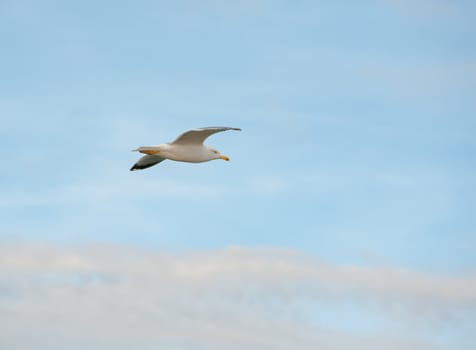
(197, 136)
(146, 162)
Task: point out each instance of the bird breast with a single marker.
(186, 153)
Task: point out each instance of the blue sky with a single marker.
(356, 158)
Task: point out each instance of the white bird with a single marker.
(188, 147)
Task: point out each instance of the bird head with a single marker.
(218, 155)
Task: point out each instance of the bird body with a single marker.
(188, 147)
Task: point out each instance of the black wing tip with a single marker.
(137, 167)
(219, 127)
(145, 166)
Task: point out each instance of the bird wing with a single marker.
(197, 136)
(146, 162)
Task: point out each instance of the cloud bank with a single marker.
(113, 297)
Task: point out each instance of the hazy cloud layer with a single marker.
(111, 297)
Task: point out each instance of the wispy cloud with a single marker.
(116, 297)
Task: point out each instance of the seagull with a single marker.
(188, 147)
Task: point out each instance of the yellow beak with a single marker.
(224, 157)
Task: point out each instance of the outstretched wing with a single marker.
(197, 136)
(146, 162)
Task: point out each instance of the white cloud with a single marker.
(110, 297)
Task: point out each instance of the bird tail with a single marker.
(150, 150)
